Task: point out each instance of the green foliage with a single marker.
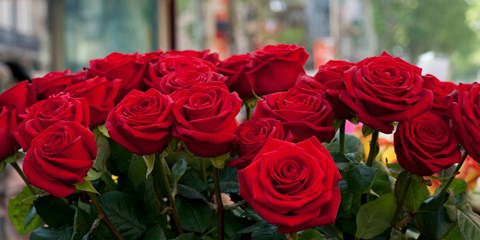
(22, 213)
(375, 217)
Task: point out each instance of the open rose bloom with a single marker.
(184, 145)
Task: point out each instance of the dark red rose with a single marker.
(47, 112)
(206, 55)
(152, 56)
(8, 123)
(441, 94)
(78, 77)
(141, 122)
(251, 136)
(464, 116)
(234, 68)
(303, 112)
(275, 68)
(382, 90)
(185, 79)
(100, 94)
(205, 118)
(173, 63)
(60, 157)
(331, 76)
(128, 67)
(51, 83)
(426, 145)
(21, 96)
(292, 185)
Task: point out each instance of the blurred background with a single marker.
(39, 36)
(441, 36)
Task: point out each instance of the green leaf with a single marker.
(311, 234)
(382, 183)
(367, 131)
(81, 224)
(178, 169)
(188, 236)
(86, 186)
(103, 150)
(151, 205)
(432, 219)
(195, 215)
(269, 232)
(468, 223)
(219, 161)
(417, 191)
(120, 158)
(189, 193)
(137, 171)
(352, 145)
(374, 217)
(455, 234)
(233, 224)
(155, 233)
(150, 163)
(43, 233)
(124, 214)
(229, 180)
(19, 209)
(103, 129)
(360, 178)
(330, 232)
(458, 185)
(54, 211)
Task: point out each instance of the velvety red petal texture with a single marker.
(8, 124)
(275, 68)
(292, 185)
(304, 112)
(251, 136)
(41, 115)
(464, 116)
(235, 68)
(382, 90)
(60, 156)
(100, 94)
(141, 122)
(205, 118)
(52, 83)
(185, 79)
(426, 145)
(21, 96)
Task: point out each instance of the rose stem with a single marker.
(204, 171)
(373, 149)
(104, 217)
(20, 172)
(171, 200)
(401, 201)
(342, 137)
(218, 198)
(248, 111)
(450, 180)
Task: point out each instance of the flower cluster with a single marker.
(285, 151)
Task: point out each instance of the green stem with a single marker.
(248, 111)
(104, 216)
(450, 180)
(22, 175)
(292, 236)
(401, 201)
(218, 198)
(373, 149)
(342, 137)
(204, 170)
(171, 200)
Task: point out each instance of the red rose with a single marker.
(45, 113)
(172, 63)
(275, 68)
(205, 118)
(100, 94)
(303, 112)
(128, 67)
(185, 79)
(441, 94)
(60, 157)
(425, 144)
(234, 68)
(80, 76)
(465, 118)
(205, 55)
(51, 83)
(251, 136)
(8, 123)
(331, 76)
(292, 185)
(141, 122)
(152, 56)
(383, 89)
(21, 96)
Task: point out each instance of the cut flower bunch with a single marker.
(183, 145)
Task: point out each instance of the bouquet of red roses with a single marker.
(182, 145)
